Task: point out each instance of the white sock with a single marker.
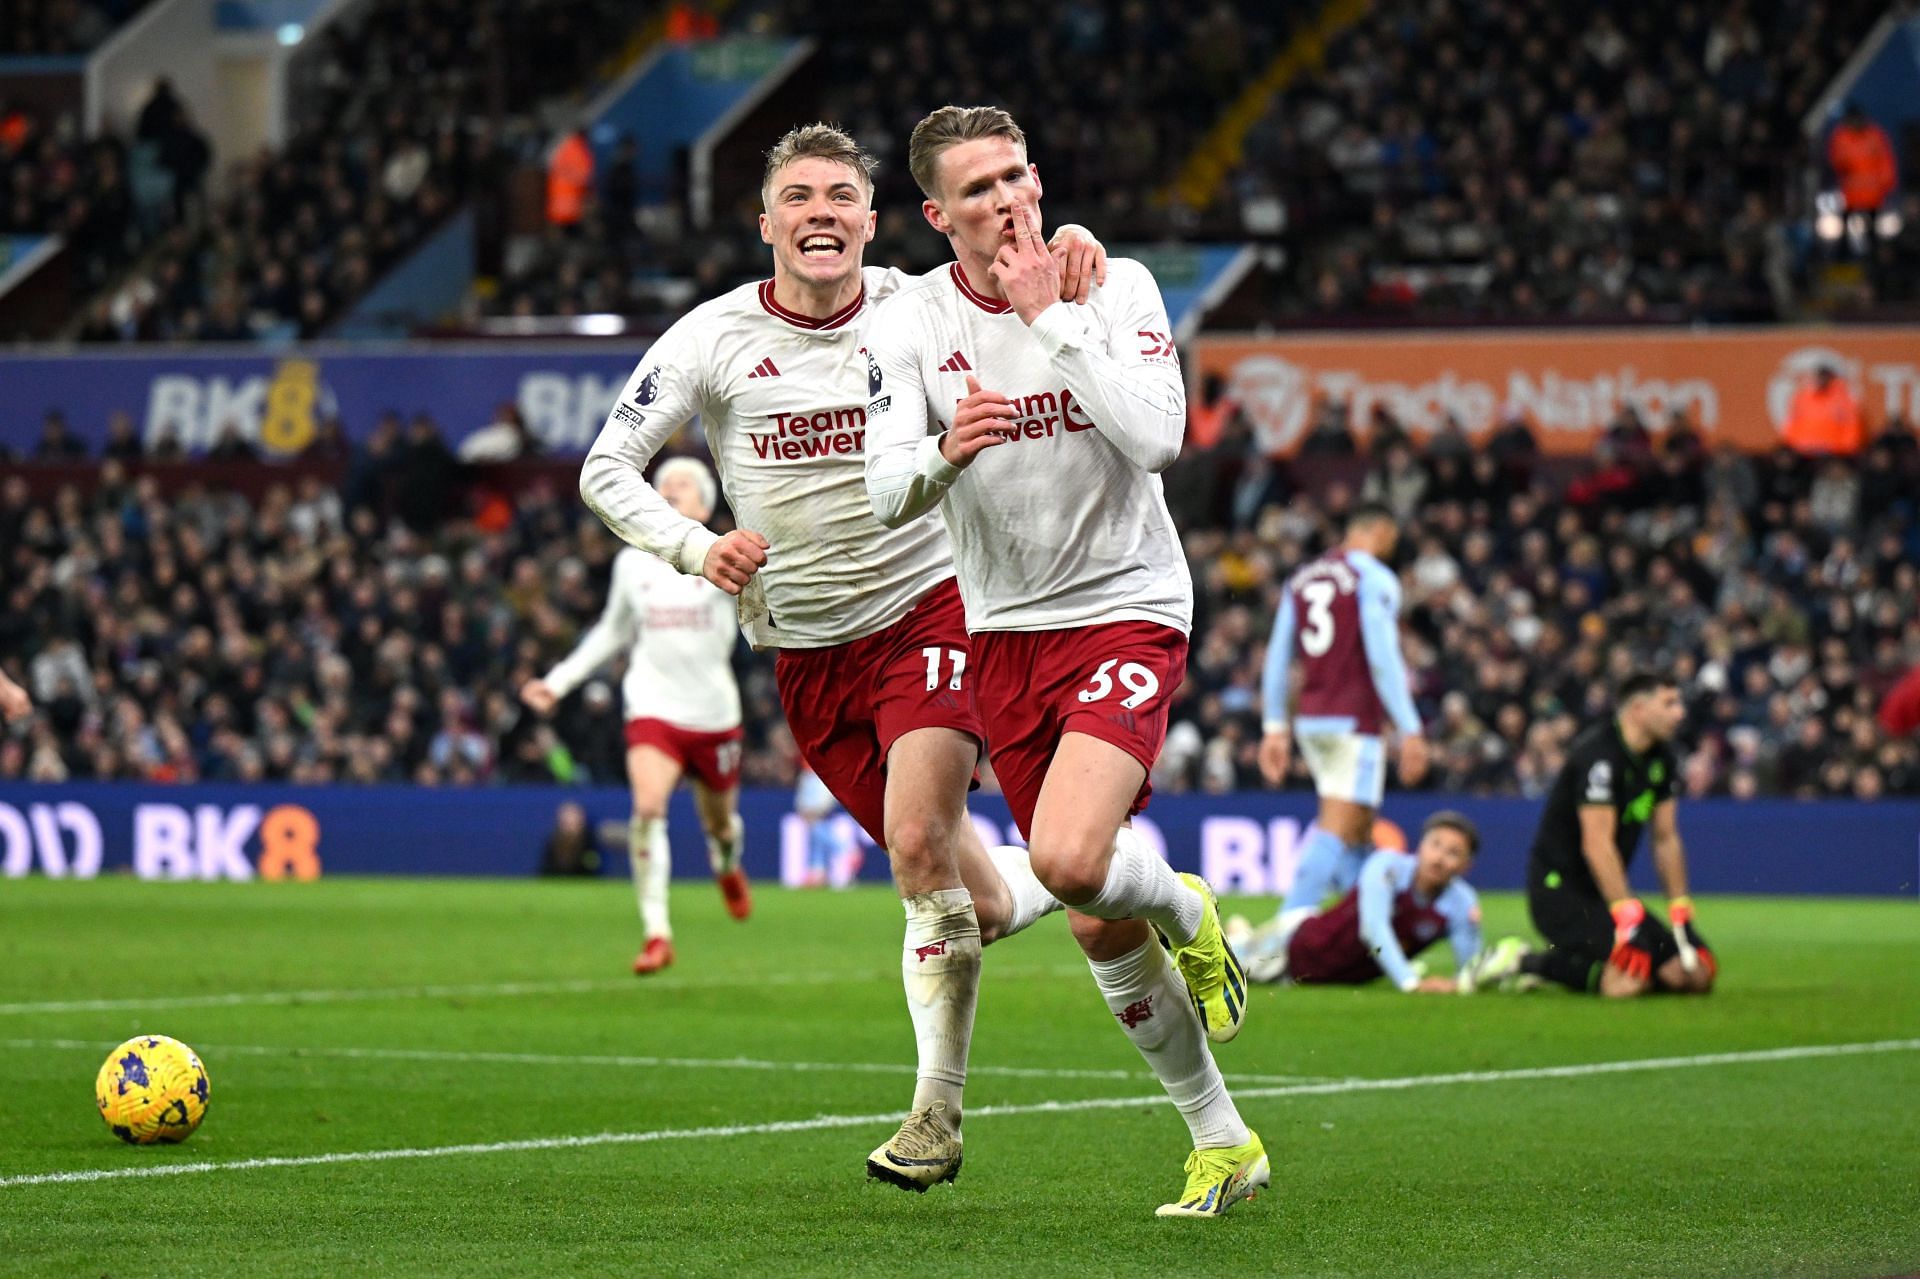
(652, 860)
(1150, 1002)
(724, 854)
(1140, 885)
(1031, 900)
(940, 966)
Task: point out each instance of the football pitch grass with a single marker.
(434, 1077)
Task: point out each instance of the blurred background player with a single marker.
(867, 621)
(833, 859)
(1342, 611)
(1078, 596)
(1619, 779)
(682, 707)
(1402, 904)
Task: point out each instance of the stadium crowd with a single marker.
(61, 28)
(1511, 161)
(368, 630)
(1165, 71)
(375, 629)
(1783, 591)
(1440, 161)
(409, 110)
(1524, 160)
(109, 197)
(1598, 162)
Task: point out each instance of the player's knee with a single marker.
(919, 846)
(649, 808)
(1073, 870)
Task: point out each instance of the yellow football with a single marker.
(152, 1089)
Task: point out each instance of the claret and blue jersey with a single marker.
(1385, 921)
(1342, 611)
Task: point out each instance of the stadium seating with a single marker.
(1528, 160)
(1585, 188)
(1162, 74)
(99, 193)
(416, 107)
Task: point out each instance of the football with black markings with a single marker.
(152, 1089)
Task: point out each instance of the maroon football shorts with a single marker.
(847, 705)
(1114, 681)
(712, 758)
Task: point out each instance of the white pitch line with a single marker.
(652, 1063)
(821, 1122)
(578, 986)
(247, 998)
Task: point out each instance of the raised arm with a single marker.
(1117, 359)
(1126, 378)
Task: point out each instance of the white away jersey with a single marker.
(681, 631)
(1065, 525)
(782, 398)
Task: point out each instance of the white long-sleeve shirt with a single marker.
(1066, 524)
(679, 632)
(782, 399)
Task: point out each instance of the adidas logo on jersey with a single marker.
(956, 363)
(764, 369)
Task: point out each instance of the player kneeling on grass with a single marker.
(1618, 780)
(1401, 905)
(683, 708)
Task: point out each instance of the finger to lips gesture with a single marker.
(979, 422)
(1024, 269)
(1083, 263)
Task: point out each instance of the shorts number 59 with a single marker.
(1140, 683)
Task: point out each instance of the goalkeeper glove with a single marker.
(1694, 952)
(1632, 939)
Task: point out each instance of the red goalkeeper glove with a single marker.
(1694, 952)
(1632, 947)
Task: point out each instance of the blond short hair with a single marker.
(819, 141)
(949, 127)
(697, 471)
